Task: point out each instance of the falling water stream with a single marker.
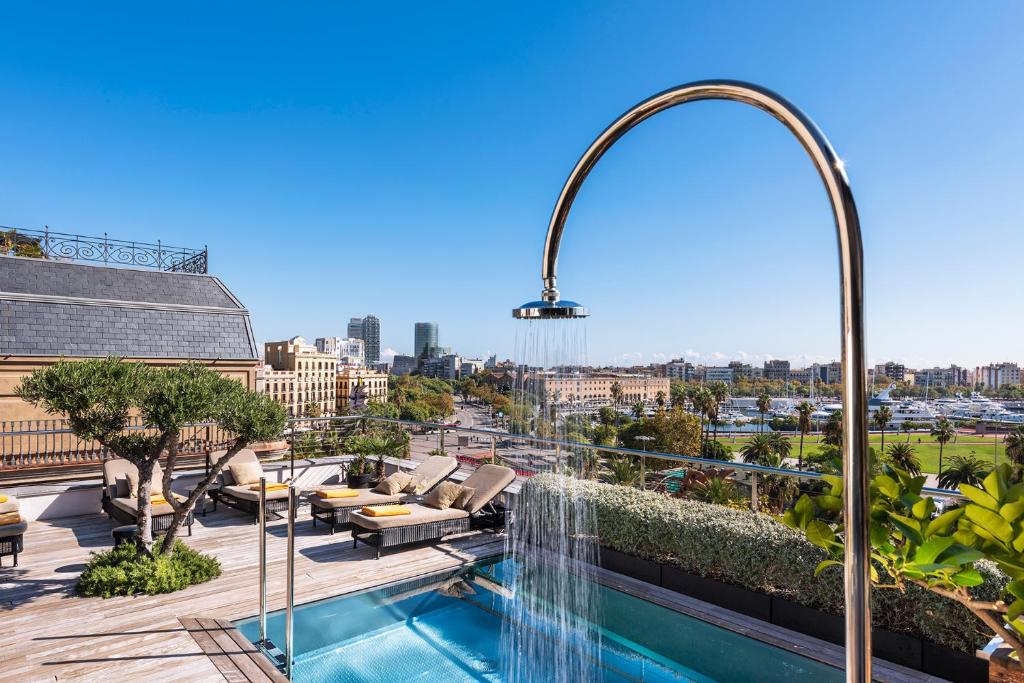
(552, 631)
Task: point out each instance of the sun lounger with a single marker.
(335, 511)
(121, 503)
(12, 528)
(427, 523)
(244, 495)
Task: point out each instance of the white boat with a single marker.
(903, 410)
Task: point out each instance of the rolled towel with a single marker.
(3, 498)
(386, 511)
(270, 487)
(10, 518)
(337, 493)
(156, 499)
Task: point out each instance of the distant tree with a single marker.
(804, 411)
(908, 426)
(660, 399)
(312, 409)
(944, 432)
(764, 404)
(781, 446)
(616, 391)
(638, 410)
(758, 449)
(621, 470)
(963, 469)
(834, 429)
(1015, 445)
(606, 415)
(881, 420)
(901, 456)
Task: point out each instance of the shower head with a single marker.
(550, 310)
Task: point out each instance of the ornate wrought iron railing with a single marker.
(64, 246)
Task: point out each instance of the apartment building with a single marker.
(358, 386)
(296, 374)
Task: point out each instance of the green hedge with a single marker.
(757, 552)
(119, 572)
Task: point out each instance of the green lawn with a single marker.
(925, 447)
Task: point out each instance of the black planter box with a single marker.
(621, 563)
(808, 620)
(898, 648)
(742, 600)
(952, 665)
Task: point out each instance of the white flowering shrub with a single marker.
(755, 551)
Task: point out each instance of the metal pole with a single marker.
(291, 448)
(289, 620)
(753, 492)
(830, 169)
(494, 450)
(263, 559)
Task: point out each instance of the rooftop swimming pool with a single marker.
(448, 627)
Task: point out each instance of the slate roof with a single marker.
(54, 308)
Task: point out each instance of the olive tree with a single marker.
(99, 398)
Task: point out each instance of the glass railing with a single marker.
(47, 449)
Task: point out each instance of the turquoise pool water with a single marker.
(448, 628)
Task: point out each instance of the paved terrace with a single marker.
(50, 634)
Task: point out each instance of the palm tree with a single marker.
(638, 409)
(719, 392)
(660, 399)
(963, 469)
(616, 393)
(758, 449)
(908, 427)
(764, 404)
(1015, 445)
(623, 470)
(901, 456)
(701, 400)
(804, 412)
(943, 431)
(781, 446)
(834, 429)
(882, 418)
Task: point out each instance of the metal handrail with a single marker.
(749, 468)
(289, 615)
(263, 560)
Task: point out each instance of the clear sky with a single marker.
(404, 160)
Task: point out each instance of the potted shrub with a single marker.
(359, 474)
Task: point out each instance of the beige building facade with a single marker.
(372, 384)
(296, 375)
(598, 387)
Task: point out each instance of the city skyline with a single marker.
(705, 232)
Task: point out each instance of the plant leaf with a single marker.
(931, 549)
(824, 564)
(978, 496)
(820, 534)
(989, 521)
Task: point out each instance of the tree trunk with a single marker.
(800, 458)
(181, 509)
(144, 511)
(883, 440)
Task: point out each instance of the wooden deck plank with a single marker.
(49, 633)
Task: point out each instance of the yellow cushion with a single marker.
(158, 499)
(3, 499)
(386, 511)
(10, 518)
(270, 487)
(337, 493)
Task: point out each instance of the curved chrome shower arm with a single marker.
(833, 175)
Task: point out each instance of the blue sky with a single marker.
(404, 161)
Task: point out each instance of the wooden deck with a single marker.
(47, 633)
